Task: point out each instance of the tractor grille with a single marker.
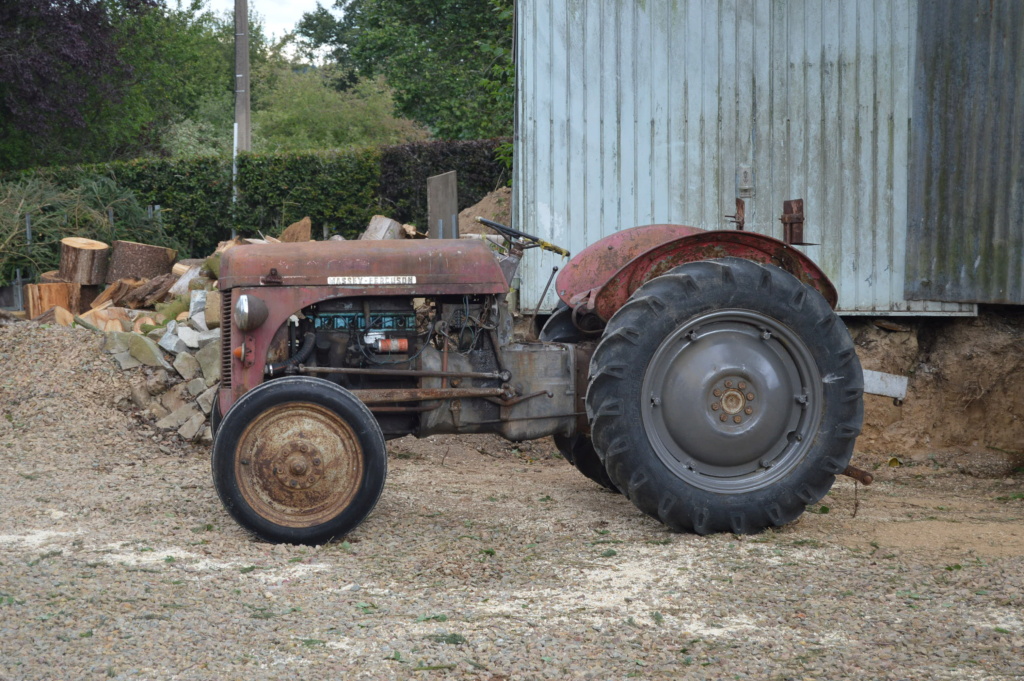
(225, 339)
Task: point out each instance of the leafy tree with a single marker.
(58, 60)
(439, 56)
(97, 80)
(297, 110)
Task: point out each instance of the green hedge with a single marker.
(337, 190)
(404, 170)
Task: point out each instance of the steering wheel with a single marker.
(510, 233)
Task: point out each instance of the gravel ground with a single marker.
(483, 560)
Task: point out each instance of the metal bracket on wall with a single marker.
(793, 223)
(740, 216)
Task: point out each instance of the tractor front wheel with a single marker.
(299, 460)
(725, 396)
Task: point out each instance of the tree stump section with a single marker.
(129, 259)
(83, 261)
(41, 297)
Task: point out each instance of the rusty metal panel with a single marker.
(966, 233)
(667, 111)
(389, 267)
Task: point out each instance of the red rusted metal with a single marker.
(706, 246)
(598, 262)
(388, 395)
(739, 219)
(298, 464)
(414, 373)
(793, 223)
(861, 476)
(420, 268)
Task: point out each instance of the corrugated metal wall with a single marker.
(632, 113)
(967, 159)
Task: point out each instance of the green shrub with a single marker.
(404, 170)
(338, 190)
(57, 212)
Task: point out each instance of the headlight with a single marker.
(250, 312)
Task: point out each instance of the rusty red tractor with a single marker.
(703, 374)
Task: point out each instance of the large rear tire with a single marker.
(577, 449)
(299, 460)
(725, 396)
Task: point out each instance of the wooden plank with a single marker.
(443, 206)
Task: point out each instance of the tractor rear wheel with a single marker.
(725, 396)
(299, 460)
(577, 449)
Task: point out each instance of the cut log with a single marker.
(183, 266)
(150, 293)
(41, 297)
(225, 245)
(83, 261)
(180, 287)
(129, 259)
(116, 292)
(382, 227)
(299, 231)
(52, 277)
(139, 321)
(56, 315)
(86, 294)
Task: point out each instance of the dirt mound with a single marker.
(964, 392)
(495, 206)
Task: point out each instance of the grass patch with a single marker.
(448, 639)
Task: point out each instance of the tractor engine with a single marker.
(452, 358)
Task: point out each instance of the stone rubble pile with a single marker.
(183, 359)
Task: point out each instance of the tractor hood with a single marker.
(396, 266)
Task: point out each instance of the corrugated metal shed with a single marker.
(632, 113)
(966, 238)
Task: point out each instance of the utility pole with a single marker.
(243, 130)
(242, 75)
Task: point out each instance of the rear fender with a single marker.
(616, 290)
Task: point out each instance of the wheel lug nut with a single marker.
(728, 384)
(717, 393)
(316, 462)
(715, 406)
(748, 411)
(722, 417)
(303, 448)
(742, 386)
(293, 483)
(750, 396)
(737, 418)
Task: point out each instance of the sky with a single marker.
(279, 16)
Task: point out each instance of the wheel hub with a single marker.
(298, 464)
(732, 396)
(724, 399)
